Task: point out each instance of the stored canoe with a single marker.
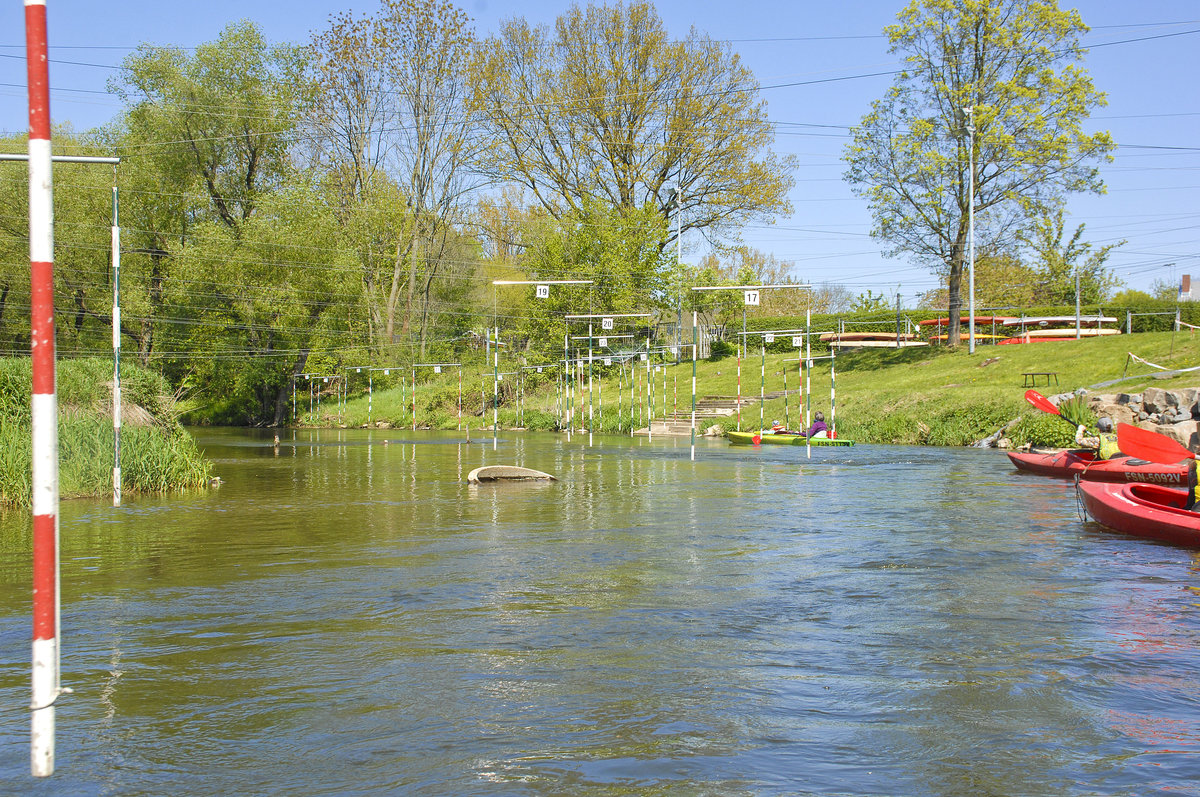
(828, 336)
(1143, 510)
(979, 319)
(1060, 319)
(1027, 339)
(966, 336)
(786, 439)
(876, 344)
(506, 473)
(1084, 332)
(1065, 464)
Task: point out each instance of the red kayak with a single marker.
(1143, 510)
(1065, 464)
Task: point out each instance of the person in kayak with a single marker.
(777, 427)
(1192, 480)
(1104, 443)
(818, 428)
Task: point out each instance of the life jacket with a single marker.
(1191, 499)
(1108, 446)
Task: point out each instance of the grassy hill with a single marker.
(922, 395)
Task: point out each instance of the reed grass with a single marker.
(156, 457)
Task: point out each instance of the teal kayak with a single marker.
(786, 439)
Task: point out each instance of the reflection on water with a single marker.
(345, 615)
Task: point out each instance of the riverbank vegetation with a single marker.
(157, 453)
(929, 395)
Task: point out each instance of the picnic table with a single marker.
(1031, 377)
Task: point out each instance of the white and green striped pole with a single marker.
(116, 340)
(832, 396)
(762, 388)
(694, 341)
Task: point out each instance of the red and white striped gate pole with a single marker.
(44, 401)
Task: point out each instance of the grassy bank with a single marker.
(921, 395)
(157, 455)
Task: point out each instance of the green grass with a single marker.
(157, 457)
(920, 395)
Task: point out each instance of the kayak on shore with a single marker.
(783, 438)
(1143, 510)
(1066, 464)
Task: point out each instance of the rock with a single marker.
(1188, 396)
(1186, 434)
(1128, 398)
(1143, 415)
(1120, 413)
(1004, 443)
(1155, 399)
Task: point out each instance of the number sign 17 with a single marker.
(752, 298)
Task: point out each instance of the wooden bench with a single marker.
(1031, 378)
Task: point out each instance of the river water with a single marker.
(347, 616)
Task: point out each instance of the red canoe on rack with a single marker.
(1065, 464)
(1143, 510)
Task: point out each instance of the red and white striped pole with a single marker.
(44, 401)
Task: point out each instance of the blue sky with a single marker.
(1145, 56)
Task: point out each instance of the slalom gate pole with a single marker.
(116, 338)
(694, 337)
(787, 421)
(832, 396)
(43, 400)
(808, 380)
(762, 389)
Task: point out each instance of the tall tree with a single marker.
(1058, 260)
(607, 106)
(216, 122)
(265, 302)
(394, 95)
(1006, 69)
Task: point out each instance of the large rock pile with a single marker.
(1174, 413)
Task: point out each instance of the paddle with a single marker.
(1044, 404)
(1150, 446)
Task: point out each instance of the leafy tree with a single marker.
(1132, 297)
(869, 303)
(616, 248)
(1001, 281)
(393, 95)
(264, 302)
(746, 265)
(1057, 262)
(216, 122)
(1014, 65)
(82, 250)
(1163, 290)
(608, 107)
